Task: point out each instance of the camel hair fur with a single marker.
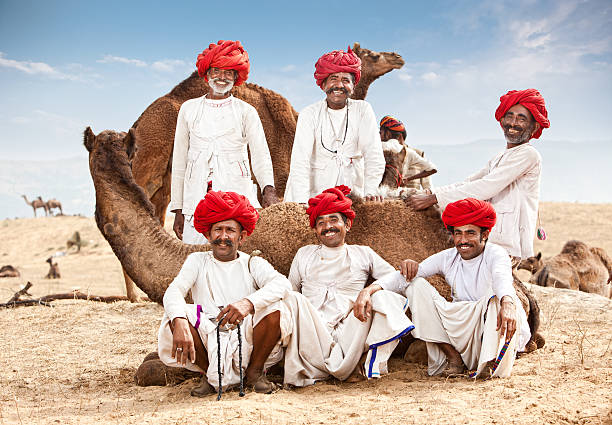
(154, 129)
(54, 204)
(152, 258)
(578, 267)
(9, 271)
(37, 203)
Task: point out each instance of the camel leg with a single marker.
(130, 288)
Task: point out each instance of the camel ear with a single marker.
(88, 139)
(539, 256)
(130, 144)
(356, 48)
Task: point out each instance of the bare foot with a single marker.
(203, 389)
(453, 370)
(261, 385)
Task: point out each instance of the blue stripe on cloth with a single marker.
(374, 347)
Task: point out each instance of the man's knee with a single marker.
(270, 321)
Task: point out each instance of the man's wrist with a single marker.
(507, 299)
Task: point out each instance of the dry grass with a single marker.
(74, 363)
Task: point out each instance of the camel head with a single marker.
(532, 264)
(119, 141)
(394, 153)
(374, 64)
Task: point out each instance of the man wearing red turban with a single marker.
(347, 331)
(415, 169)
(336, 139)
(214, 135)
(227, 287)
(482, 324)
(511, 180)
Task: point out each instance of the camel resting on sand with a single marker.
(9, 271)
(152, 258)
(37, 203)
(54, 203)
(578, 267)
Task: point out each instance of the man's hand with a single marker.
(183, 348)
(409, 269)
(375, 198)
(179, 222)
(506, 319)
(234, 313)
(269, 196)
(420, 201)
(362, 309)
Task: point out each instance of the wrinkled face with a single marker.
(225, 237)
(331, 229)
(338, 87)
(469, 240)
(221, 81)
(518, 125)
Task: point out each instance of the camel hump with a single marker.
(603, 256)
(575, 248)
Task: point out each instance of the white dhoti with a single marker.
(469, 326)
(228, 346)
(317, 349)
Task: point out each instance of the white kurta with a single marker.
(210, 144)
(330, 149)
(327, 338)
(511, 182)
(462, 323)
(215, 284)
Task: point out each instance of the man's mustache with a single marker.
(225, 242)
(342, 89)
(325, 232)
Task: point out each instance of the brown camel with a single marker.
(37, 203)
(54, 203)
(154, 129)
(9, 271)
(152, 258)
(578, 267)
(54, 272)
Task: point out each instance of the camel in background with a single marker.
(9, 271)
(578, 267)
(54, 203)
(154, 130)
(37, 203)
(54, 272)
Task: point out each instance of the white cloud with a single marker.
(168, 65)
(119, 59)
(20, 120)
(35, 68)
(288, 68)
(430, 77)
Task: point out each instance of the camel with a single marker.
(54, 203)
(54, 272)
(578, 267)
(75, 240)
(152, 258)
(9, 271)
(37, 203)
(154, 129)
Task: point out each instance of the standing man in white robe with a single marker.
(211, 140)
(511, 180)
(336, 139)
(339, 320)
(228, 287)
(484, 326)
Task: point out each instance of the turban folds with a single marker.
(392, 124)
(221, 206)
(469, 211)
(337, 61)
(225, 54)
(530, 99)
(331, 201)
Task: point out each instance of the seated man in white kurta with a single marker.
(338, 320)
(211, 140)
(484, 326)
(336, 139)
(227, 287)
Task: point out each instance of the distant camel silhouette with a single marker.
(37, 203)
(54, 203)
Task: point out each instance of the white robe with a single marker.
(511, 182)
(210, 144)
(326, 153)
(469, 322)
(215, 284)
(327, 338)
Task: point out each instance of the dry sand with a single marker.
(74, 363)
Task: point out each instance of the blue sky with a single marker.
(68, 64)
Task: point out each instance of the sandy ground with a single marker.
(74, 363)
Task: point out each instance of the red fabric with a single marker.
(530, 99)
(469, 211)
(392, 124)
(225, 54)
(221, 206)
(331, 201)
(337, 61)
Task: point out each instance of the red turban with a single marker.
(469, 211)
(337, 61)
(392, 124)
(225, 54)
(221, 206)
(331, 201)
(530, 99)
